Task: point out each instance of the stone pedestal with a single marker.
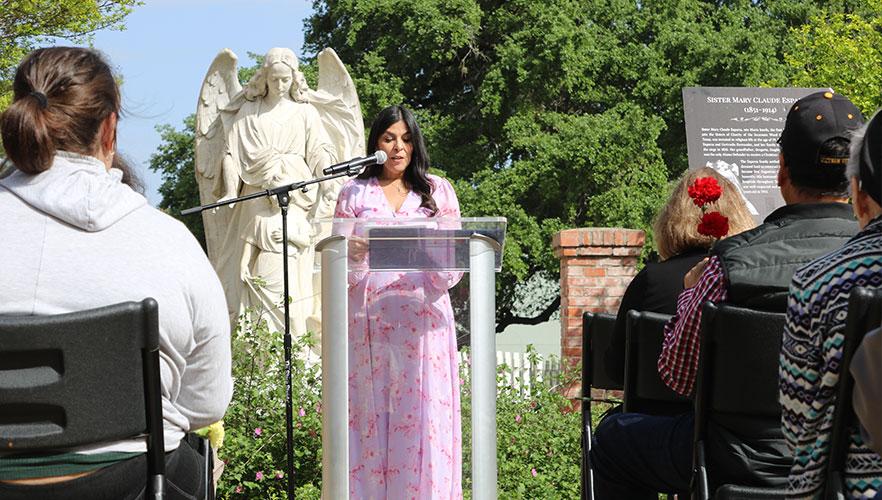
(596, 265)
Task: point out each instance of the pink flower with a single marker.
(279, 474)
(238, 489)
(302, 412)
(258, 476)
(533, 404)
(533, 471)
(518, 418)
(258, 431)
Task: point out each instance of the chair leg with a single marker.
(701, 490)
(589, 474)
(587, 477)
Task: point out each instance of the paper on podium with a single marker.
(418, 243)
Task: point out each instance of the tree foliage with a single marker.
(842, 51)
(554, 114)
(175, 162)
(25, 24)
(563, 113)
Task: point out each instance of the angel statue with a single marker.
(273, 131)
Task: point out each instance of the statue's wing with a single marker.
(220, 85)
(337, 102)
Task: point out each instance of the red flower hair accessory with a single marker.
(714, 224)
(705, 190)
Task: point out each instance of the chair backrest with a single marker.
(597, 329)
(82, 378)
(738, 363)
(645, 392)
(864, 314)
(736, 391)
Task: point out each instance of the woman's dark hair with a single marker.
(61, 95)
(130, 176)
(416, 175)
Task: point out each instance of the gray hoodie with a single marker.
(74, 237)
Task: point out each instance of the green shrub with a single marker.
(254, 450)
(538, 437)
(539, 450)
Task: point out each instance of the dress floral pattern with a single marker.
(405, 435)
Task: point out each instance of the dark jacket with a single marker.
(654, 289)
(759, 263)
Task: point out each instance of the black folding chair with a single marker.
(645, 392)
(736, 392)
(597, 331)
(54, 374)
(864, 314)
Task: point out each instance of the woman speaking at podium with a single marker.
(404, 408)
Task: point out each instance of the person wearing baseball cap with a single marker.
(811, 354)
(637, 456)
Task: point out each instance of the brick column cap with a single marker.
(598, 241)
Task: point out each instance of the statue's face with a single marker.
(279, 80)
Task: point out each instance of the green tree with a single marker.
(554, 114)
(174, 160)
(25, 24)
(842, 51)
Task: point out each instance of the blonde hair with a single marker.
(676, 227)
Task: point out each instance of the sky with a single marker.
(165, 51)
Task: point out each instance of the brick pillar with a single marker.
(596, 265)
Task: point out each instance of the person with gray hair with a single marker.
(811, 353)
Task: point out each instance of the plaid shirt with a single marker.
(678, 362)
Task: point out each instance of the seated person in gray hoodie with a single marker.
(75, 237)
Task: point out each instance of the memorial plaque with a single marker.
(735, 130)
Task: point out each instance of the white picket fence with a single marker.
(516, 370)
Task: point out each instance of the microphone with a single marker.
(355, 163)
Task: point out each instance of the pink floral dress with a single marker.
(405, 435)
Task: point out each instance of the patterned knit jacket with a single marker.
(810, 364)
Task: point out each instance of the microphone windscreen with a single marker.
(381, 157)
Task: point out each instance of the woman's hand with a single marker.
(358, 248)
(691, 278)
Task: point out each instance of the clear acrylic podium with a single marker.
(472, 245)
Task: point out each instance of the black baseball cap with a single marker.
(814, 120)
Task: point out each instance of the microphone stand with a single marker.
(281, 194)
